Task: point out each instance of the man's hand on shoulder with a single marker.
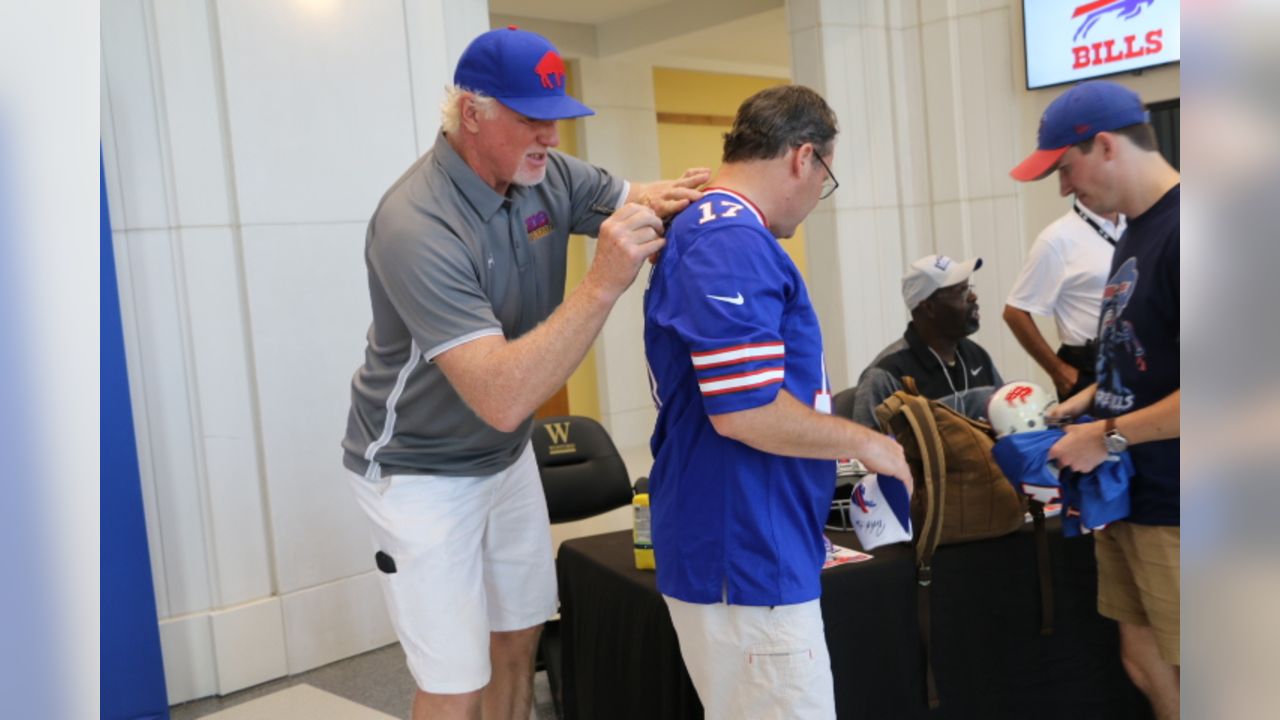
(668, 197)
(627, 237)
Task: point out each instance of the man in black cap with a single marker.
(466, 258)
(1098, 137)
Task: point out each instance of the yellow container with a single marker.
(641, 535)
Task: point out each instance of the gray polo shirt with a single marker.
(450, 260)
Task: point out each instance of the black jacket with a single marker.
(965, 385)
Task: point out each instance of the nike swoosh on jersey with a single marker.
(735, 300)
(976, 370)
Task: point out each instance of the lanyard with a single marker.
(955, 394)
(1093, 223)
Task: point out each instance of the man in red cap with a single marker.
(466, 261)
(1098, 138)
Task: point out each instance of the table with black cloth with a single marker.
(621, 658)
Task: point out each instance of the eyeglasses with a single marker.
(830, 184)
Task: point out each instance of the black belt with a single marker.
(1080, 357)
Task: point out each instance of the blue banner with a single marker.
(132, 667)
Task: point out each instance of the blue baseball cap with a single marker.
(520, 69)
(1075, 116)
(880, 511)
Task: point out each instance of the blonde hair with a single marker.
(451, 108)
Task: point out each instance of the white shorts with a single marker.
(472, 556)
(756, 662)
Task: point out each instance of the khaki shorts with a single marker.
(762, 663)
(1139, 579)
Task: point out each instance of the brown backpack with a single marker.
(960, 494)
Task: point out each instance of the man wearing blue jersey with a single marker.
(743, 449)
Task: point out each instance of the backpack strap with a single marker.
(919, 416)
(909, 384)
(892, 405)
(886, 411)
(1042, 564)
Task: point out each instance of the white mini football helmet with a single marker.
(1019, 407)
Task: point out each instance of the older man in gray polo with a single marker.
(466, 257)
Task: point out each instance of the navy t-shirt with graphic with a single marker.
(1138, 357)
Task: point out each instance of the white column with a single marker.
(623, 138)
(245, 146)
(927, 114)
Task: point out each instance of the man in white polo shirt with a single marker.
(1064, 276)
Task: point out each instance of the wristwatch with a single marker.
(1112, 439)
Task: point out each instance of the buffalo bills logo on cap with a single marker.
(550, 70)
(860, 499)
(885, 516)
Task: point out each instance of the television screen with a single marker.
(1071, 40)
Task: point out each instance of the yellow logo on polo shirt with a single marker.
(538, 225)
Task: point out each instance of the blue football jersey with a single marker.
(728, 324)
(1090, 500)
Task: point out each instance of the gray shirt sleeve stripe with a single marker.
(388, 428)
(434, 352)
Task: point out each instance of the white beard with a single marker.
(528, 177)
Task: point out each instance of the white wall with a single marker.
(245, 145)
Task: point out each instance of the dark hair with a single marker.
(773, 121)
(1142, 135)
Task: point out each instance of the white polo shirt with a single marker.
(1066, 273)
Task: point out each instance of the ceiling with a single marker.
(758, 40)
(745, 36)
(587, 12)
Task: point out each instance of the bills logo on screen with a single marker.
(1115, 49)
(1094, 11)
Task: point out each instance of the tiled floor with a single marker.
(373, 686)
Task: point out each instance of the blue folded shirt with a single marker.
(1090, 500)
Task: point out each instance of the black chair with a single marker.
(582, 475)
